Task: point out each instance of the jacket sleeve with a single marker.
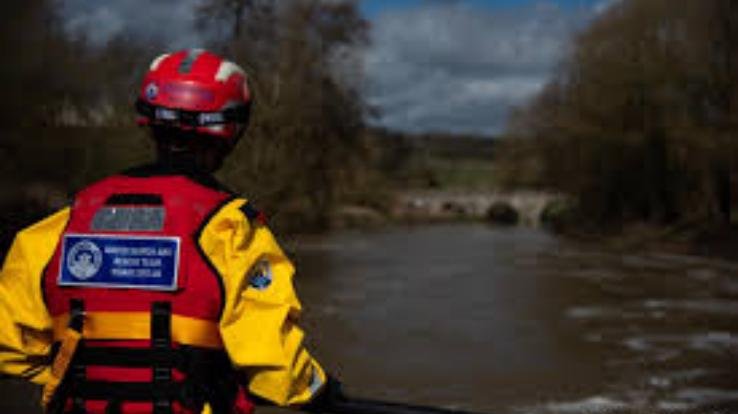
(259, 321)
(25, 324)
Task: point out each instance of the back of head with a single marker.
(196, 104)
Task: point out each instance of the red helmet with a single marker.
(195, 90)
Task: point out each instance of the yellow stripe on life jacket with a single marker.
(137, 326)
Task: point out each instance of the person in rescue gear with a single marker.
(159, 291)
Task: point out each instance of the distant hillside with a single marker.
(441, 161)
(449, 146)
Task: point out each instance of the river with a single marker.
(504, 320)
(514, 320)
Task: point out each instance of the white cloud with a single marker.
(512, 88)
(170, 22)
(603, 5)
(451, 67)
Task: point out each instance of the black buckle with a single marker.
(76, 314)
(161, 337)
(162, 407)
(162, 374)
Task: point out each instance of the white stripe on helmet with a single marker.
(215, 128)
(155, 63)
(227, 69)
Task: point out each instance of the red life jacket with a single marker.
(130, 275)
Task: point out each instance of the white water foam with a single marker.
(705, 396)
(592, 405)
(713, 342)
(713, 306)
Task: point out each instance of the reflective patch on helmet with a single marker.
(151, 91)
(261, 275)
(166, 114)
(206, 118)
(227, 69)
(155, 63)
(129, 219)
(216, 128)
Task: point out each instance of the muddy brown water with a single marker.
(502, 320)
(517, 321)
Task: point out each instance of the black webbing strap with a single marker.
(78, 372)
(161, 341)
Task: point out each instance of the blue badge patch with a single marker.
(261, 275)
(137, 262)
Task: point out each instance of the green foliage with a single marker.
(638, 123)
(437, 161)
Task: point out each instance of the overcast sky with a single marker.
(434, 65)
(461, 66)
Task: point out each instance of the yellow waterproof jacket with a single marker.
(258, 326)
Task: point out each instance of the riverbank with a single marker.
(693, 238)
(427, 207)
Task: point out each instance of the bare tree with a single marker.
(307, 125)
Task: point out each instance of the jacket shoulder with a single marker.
(50, 223)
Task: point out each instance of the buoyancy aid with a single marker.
(130, 275)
